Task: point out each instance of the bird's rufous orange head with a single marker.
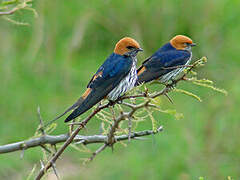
(181, 42)
(126, 45)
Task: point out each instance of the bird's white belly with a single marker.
(125, 84)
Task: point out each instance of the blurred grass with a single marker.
(50, 63)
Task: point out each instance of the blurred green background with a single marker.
(50, 62)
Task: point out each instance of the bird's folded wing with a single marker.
(155, 66)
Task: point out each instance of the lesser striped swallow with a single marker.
(116, 75)
(161, 65)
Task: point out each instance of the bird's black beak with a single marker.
(193, 44)
(139, 49)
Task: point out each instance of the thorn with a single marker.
(140, 138)
(42, 164)
(113, 113)
(80, 142)
(97, 152)
(169, 98)
(41, 121)
(129, 129)
(22, 153)
(145, 91)
(112, 148)
(46, 149)
(55, 148)
(160, 129)
(71, 127)
(85, 128)
(55, 170)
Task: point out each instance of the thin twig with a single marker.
(97, 152)
(176, 67)
(18, 7)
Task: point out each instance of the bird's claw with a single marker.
(120, 101)
(117, 101)
(111, 103)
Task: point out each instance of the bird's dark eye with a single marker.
(130, 47)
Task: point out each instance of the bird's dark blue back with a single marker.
(113, 70)
(164, 48)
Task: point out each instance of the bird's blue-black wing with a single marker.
(156, 65)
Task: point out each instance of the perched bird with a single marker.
(164, 64)
(117, 75)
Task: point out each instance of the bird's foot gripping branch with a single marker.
(118, 123)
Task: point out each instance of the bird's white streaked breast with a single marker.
(126, 84)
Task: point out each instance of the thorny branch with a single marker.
(121, 117)
(53, 140)
(110, 138)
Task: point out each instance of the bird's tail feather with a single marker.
(92, 99)
(76, 104)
